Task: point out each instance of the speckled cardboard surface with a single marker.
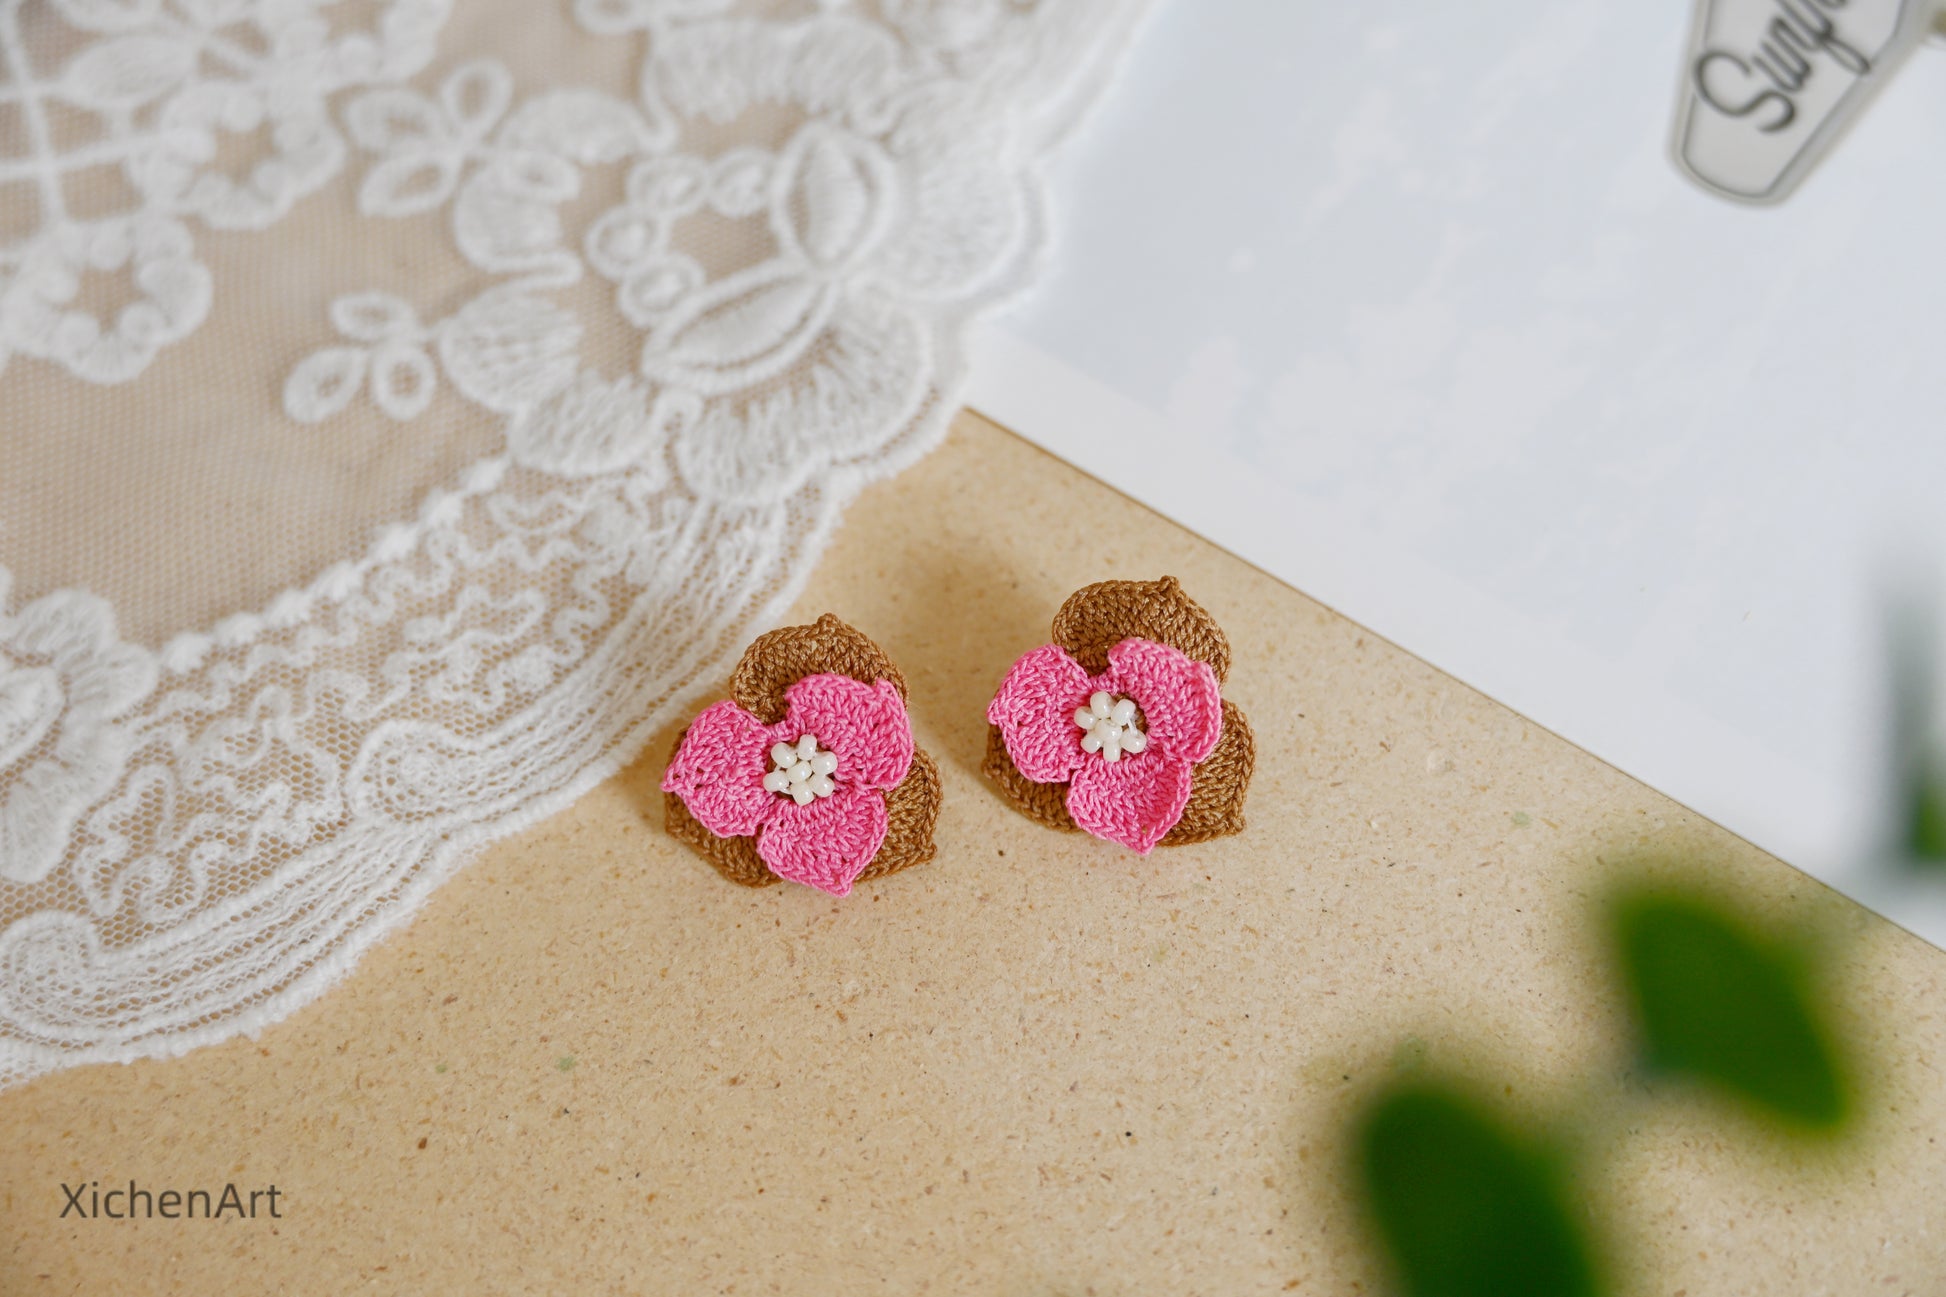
(1037, 1065)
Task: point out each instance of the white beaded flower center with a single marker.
(1110, 726)
(803, 770)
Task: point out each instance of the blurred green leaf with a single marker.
(1465, 1207)
(1917, 767)
(1716, 1001)
(1926, 827)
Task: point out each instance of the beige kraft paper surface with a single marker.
(1037, 1065)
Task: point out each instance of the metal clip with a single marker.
(1770, 85)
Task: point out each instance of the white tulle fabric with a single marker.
(407, 407)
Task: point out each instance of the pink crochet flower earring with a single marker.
(808, 772)
(1119, 727)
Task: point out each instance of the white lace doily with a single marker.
(407, 406)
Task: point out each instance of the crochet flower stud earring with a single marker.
(1119, 727)
(808, 772)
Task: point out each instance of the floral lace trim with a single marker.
(240, 814)
(164, 85)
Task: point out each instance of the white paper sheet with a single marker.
(1407, 303)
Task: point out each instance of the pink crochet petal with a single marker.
(864, 725)
(1035, 712)
(827, 843)
(1182, 709)
(1134, 801)
(719, 771)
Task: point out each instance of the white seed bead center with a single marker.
(803, 770)
(1110, 727)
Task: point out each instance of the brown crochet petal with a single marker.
(780, 658)
(1097, 617)
(1215, 805)
(1093, 620)
(911, 809)
(772, 664)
